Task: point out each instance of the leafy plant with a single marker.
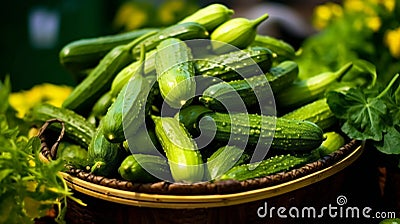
(370, 114)
(29, 187)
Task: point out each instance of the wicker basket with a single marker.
(117, 201)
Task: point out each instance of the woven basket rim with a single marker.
(203, 188)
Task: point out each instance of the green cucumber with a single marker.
(189, 117)
(126, 73)
(272, 165)
(104, 157)
(77, 128)
(317, 112)
(184, 158)
(175, 72)
(144, 141)
(255, 91)
(101, 106)
(73, 154)
(127, 113)
(131, 168)
(232, 65)
(98, 82)
(282, 75)
(308, 90)
(254, 129)
(333, 141)
(235, 33)
(281, 49)
(182, 31)
(210, 16)
(86, 53)
(224, 159)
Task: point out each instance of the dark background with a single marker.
(29, 63)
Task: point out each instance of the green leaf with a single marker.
(363, 116)
(363, 73)
(4, 173)
(5, 90)
(337, 103)
(391, 141)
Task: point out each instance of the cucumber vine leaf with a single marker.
(369, 114)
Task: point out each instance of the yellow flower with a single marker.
(374, 23)
(391, 40)
(325, 13)
(130, 16)
(389, 4)
(360, 6)
(353, 5)
(53, 94)
(169, 9)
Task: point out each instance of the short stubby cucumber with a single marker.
(333, 141)
(104, 157)
(237, 32)
(210, 16)
(175, 72)
(132, 169)
(183, 155)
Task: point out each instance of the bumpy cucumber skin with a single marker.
(119, 119)
(287, 135)
(253, 91)
(104, 157)
(231, 66)
(175, 72)
(317, 112)
(222, 65)
(275, 164)
(184, 158)
(78, 129)
(282, 75)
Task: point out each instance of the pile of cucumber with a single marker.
(146, 101)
